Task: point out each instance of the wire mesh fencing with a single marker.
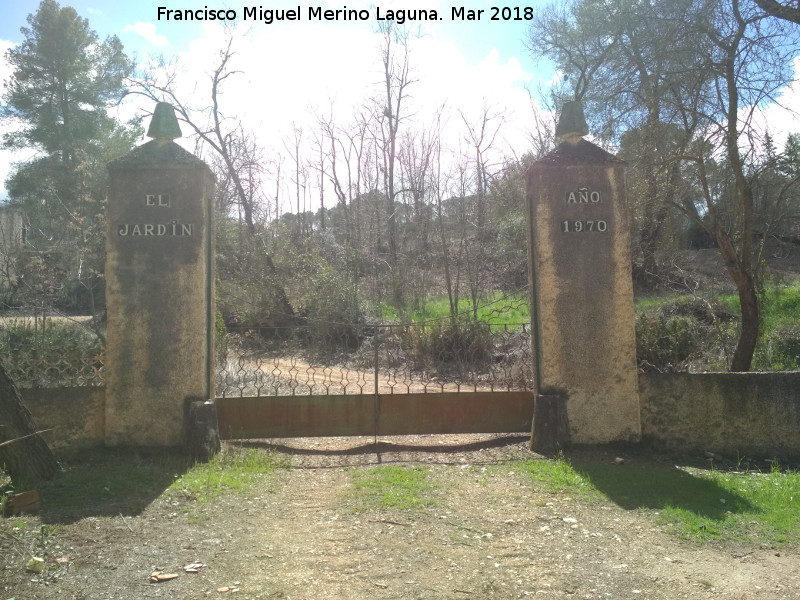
(50, 351)
(367, 359)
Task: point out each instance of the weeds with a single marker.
(235, 471)
(391, 488)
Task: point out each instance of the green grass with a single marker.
(698, 504)
(235, 471)
(496, 308)
(555, 476)
(391, 488)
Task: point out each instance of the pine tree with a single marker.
(63, 82)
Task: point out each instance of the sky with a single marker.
(292, 71)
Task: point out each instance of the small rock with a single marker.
(35, 565)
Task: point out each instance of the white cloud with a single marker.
(148, 32)
(783, 117)
(6, 157)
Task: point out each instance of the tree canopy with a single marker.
(688, 78)
(63, 81)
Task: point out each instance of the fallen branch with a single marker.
(23, 437)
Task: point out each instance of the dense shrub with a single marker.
(665, 343)
(53, 354)
(783, 344)
(331, 312)
(443, 344)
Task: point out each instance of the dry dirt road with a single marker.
(490, 533)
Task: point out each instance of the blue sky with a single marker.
(474, 39)
(294, 70)
(291, 73)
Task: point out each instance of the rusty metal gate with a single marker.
(341, 380)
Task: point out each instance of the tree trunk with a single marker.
(23, 453)
(748, 299)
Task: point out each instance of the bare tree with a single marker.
(396, 62)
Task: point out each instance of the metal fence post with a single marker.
(377, 404)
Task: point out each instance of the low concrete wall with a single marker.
(753, 414)
(733, 414)
(76, 415)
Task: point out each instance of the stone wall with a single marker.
(76, 415)
(733, 414)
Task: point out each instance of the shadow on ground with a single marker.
(107, 482)
(338, 452)
(650, 486)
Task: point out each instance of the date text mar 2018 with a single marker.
(495, 13)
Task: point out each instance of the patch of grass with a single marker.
(496, 308)
(706, 505)
(555, 476)
(232, 470)
(699, 504)
(391, 488)
(766, 508)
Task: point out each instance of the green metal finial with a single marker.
(572, 124)
(164, 124)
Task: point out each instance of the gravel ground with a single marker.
(490, 534)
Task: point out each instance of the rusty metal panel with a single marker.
(399, 414)
(295, 416)
(456, 412)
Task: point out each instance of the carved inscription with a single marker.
(588, 197)
(600, 226)
(156, 229)
(583, 196)
(156, 200)
(173, 228)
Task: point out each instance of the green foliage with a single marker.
(741, 506)
(783, 347)
(220, 338)
(84, 296)
(49, 354)
(235, 470)
(664, 342)
(554, 476)
(63, 79)
(331, 311)
(497, 308)
(442, 344)
(391, 488)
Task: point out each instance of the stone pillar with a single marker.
(159, 289)
(581, 292)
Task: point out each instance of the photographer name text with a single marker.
(269, 16)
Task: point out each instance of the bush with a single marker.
(445, 344)
(331, 311)
(665, 343)
(783, 344)
(53, 354)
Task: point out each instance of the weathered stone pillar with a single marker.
(159, 289)
(581, 293)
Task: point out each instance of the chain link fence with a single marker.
(42, 350)
(439, 356)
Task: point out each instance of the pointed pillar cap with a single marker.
(164, 123)
(571, 124)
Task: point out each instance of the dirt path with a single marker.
(490, 534)
(285, 376)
